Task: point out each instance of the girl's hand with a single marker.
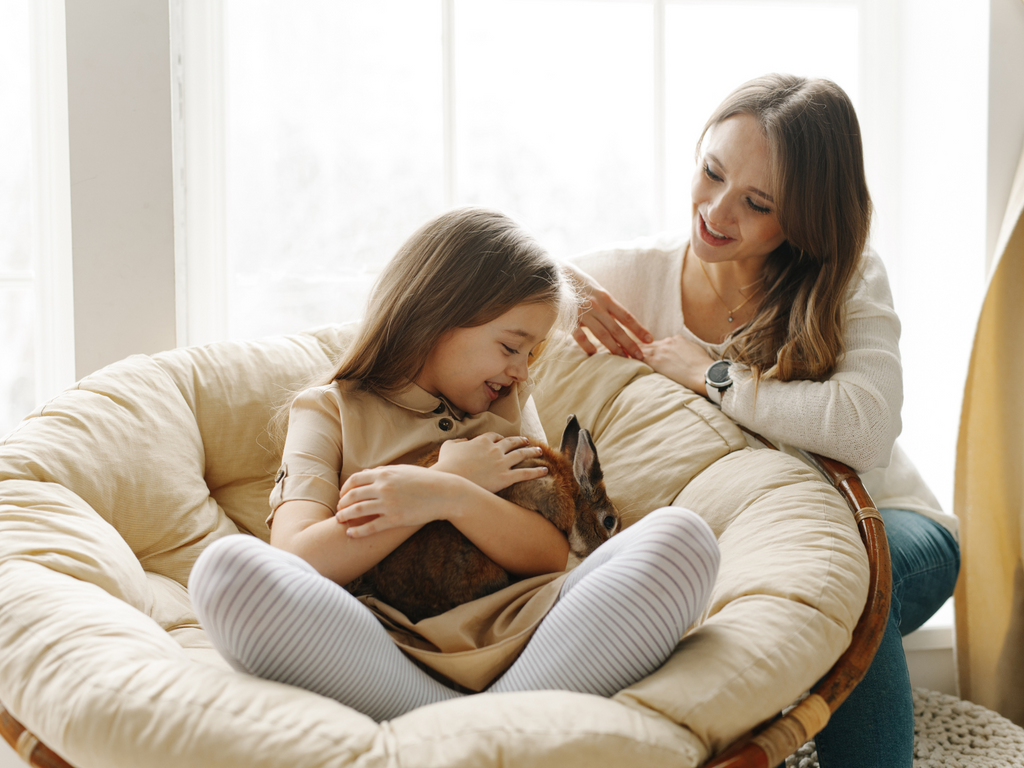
(609, 321)
(489, 460)
(396, 496)
(681, 360)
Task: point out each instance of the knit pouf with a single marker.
(950, 733)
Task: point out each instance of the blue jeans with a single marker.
(874, 727)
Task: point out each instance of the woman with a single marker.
(774, 310)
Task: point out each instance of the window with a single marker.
(348, 124)
(36, 303)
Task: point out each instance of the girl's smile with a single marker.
(473, 367)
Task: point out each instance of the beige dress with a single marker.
(336, 430)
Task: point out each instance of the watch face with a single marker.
(718, 373)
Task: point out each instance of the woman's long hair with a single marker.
(462, 269)
(816, 167)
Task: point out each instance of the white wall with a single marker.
(942, 215)
(122, 221)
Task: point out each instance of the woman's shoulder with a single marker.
(869, 290)
(630, 268)
(667, 247)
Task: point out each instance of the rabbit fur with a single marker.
(438, 568)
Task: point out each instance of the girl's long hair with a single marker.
(463, 268)
(816, 168)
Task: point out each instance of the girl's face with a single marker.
(473, 367)
(734, 215)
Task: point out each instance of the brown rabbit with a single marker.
(438, 568)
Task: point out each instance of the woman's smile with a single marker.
(733, 206)
(710, 236)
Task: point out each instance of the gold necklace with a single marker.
(720, 299)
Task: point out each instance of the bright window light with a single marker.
(348, 124)
(333, 152)
(17, 290)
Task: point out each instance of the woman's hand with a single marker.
(681, 360)
(489, 460)
(397, 496)
(609, 321)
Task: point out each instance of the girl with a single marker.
(774, 310)
(443, 355)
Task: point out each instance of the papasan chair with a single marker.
(109, 492)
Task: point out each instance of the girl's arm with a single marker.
(399, 497)
(309, 529)
(307, 493)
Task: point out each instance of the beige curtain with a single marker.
(989, 492)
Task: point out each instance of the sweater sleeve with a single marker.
(854, 416)
(642, 275)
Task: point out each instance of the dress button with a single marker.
(445, 424)
(440, 409)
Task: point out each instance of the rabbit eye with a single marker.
(609, 522)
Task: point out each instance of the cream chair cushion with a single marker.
(110, 491)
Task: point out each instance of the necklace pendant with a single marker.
(730, 318)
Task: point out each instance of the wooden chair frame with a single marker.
(772, 743)
(766, 747)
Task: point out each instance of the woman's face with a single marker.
(473, 367)
(734, 215)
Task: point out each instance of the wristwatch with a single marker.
(717, 376)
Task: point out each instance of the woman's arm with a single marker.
(612, 324)
(853, 416)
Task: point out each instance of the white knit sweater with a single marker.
(853, 417)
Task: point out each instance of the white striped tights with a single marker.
(618, 617)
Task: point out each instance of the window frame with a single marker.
(52, 269)
(200, 246)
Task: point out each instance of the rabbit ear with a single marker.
(585, 467)
(570, 436)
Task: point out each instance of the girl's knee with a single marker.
(222, 555)
(239, 564)
(683, 524)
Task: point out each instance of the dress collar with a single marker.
(415, 398)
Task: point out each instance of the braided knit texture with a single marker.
(950, 733)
